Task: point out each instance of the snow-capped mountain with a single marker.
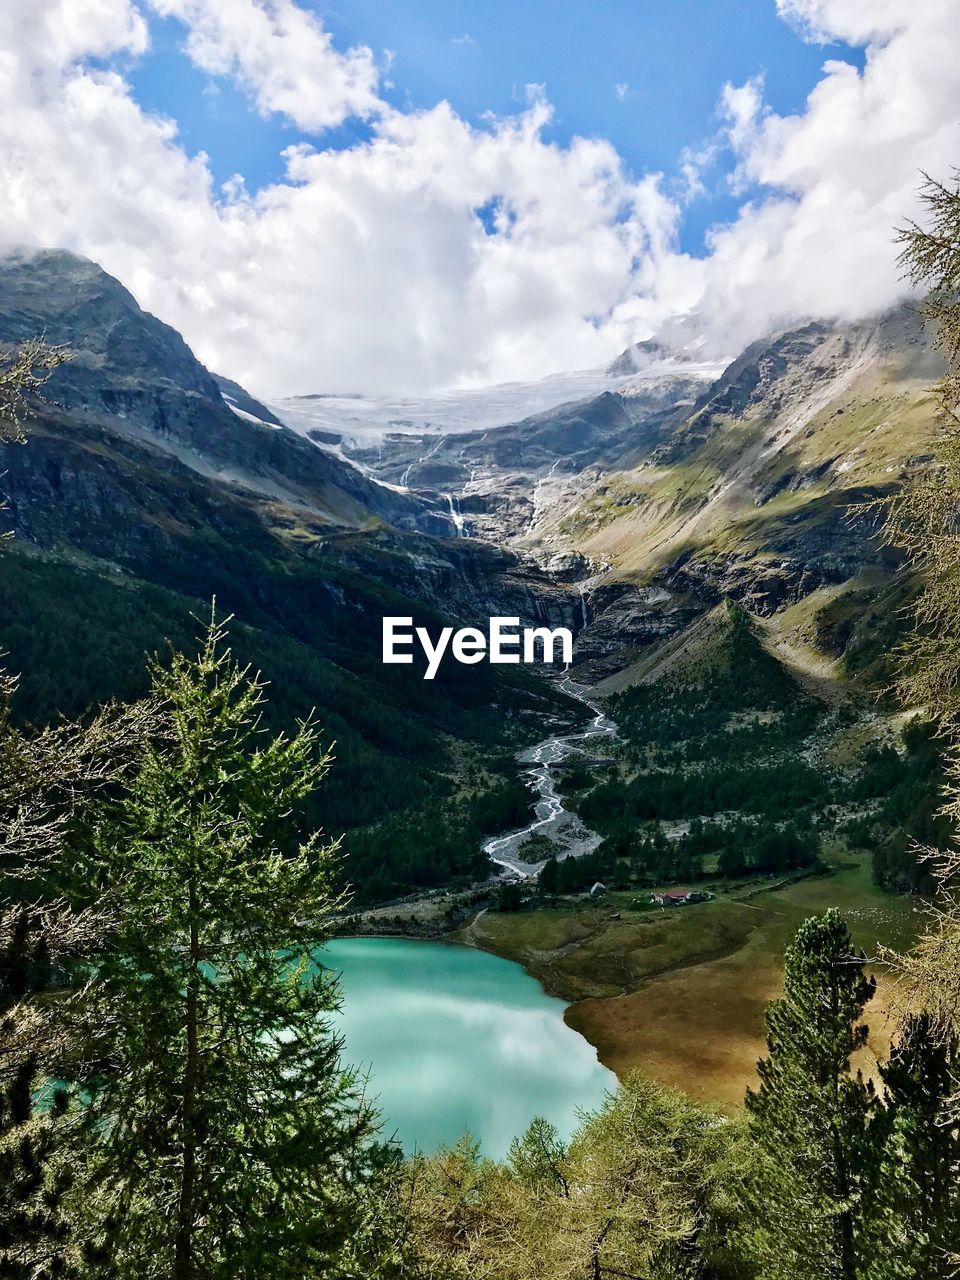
(363, 419)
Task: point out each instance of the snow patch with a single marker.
(242, 413)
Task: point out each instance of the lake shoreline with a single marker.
(569, 966)
(458, 1040)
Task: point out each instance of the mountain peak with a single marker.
(641, 355)
(72, 300)
(134, 375)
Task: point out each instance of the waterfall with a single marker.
(455, 515)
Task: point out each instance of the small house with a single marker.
(670, 899)
(598, 891)
(680, 899)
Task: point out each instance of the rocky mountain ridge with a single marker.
(624, 515)
(751, 486)
(140, 462)
(134, 376)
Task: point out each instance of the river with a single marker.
(456, 1039)
(551, 819)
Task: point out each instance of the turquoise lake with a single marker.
(457, 1039)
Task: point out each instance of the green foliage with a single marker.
(810, 1117)
(577, 875)
(536, 847)
(922, 519)
(923, 522)
(659, 794)
(537, 1158)
(694, 704)
(652, 1174)
(915, 1227)
(548, 881)
(635, 856)
(866, 628)
(218, 1127)
(719, 734)
(509, 896)
(437, 844)
(80, 637)
(624, 811)
(24, 371)
(931, 256)
(34, 1234)
(824, 1181)
(49, 783)
(645, 1188)
(909, 819)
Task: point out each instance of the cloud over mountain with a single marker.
(437, 251)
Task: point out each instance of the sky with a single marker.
(425, 194)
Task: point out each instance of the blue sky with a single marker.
(416, 247)
(645, 75)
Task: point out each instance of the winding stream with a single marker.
(571, 837)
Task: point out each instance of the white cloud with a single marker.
(743, 110)
(281, 54)
(839, 177)
(371, 268)
(368, 267)
(855, 21)
(621, 89)
(37, 41)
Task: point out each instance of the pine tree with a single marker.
(916, 1218)
(223, 1138)
(810, 1116)
(548, 880)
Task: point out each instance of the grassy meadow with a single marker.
(679, 994)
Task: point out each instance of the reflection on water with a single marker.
(457, 1039)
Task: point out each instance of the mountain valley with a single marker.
(707, 533)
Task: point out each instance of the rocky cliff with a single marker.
(131, 377)
(759, 492)
(680, 490)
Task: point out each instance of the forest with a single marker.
(77, 638)
(163, 970)
(723, 770)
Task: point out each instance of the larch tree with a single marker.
(24, 371)
(810, 1116)
(647, 1187)
(222, 1135)
(34, 1235)
(51, 781)
(650, 1176)
(924, 520)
